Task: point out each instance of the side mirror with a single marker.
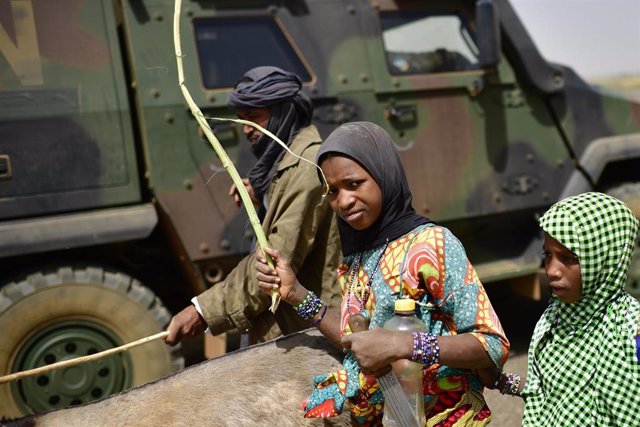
(488, 33)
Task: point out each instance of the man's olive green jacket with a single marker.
(302, 226)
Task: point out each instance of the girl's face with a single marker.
(353, 194)
(563, 270)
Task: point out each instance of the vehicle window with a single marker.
(416, 43)
(228, 47)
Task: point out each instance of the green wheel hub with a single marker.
(76, 384)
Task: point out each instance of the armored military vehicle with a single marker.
(113, 211)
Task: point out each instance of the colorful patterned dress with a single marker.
(429, 265)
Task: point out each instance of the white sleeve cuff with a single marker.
(196, 304)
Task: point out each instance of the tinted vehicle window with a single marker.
(417, 43)
(228, 47)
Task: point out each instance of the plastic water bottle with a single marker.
(409, 373)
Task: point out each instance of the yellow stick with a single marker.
(226, 162)
(79, 360)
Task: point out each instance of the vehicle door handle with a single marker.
(5, 166)
(401, 113)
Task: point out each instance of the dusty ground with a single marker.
(507, 410)
(518, 317)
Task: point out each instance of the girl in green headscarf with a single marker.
(584, 367)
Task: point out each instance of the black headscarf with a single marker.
(290, 110)
(372, 147)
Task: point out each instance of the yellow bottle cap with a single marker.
(405, 304)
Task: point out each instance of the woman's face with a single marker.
(563, 270)
(353, 194)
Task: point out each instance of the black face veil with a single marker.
(372, 147)
(290, 110)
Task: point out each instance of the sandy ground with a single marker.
(507, 410)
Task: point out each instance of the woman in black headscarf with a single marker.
(390, 253)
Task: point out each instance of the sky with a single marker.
(597, 38)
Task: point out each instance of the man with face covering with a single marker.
(288, 195)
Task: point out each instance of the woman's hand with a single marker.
(282, 277)
(376, 349)
(488, 376)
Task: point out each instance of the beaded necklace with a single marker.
(361, 293)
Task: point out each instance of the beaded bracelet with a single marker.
(425, 348)
(512, 384)
(319, 319)
(309, 307)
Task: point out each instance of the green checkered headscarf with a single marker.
(583, 369)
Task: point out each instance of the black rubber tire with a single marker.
(112, 300)
(630, 194)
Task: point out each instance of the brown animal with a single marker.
(259, 385)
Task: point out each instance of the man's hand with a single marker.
(282, 277)
(187, 323)
(233, 192)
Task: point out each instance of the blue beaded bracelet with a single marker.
(309, 307)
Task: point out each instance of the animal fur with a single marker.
(259, 385)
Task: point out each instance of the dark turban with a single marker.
(290, 110)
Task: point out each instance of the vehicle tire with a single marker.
(630, 194)
(53, 316)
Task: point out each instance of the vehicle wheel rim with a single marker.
(76, 384)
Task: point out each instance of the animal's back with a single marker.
(260, 385)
